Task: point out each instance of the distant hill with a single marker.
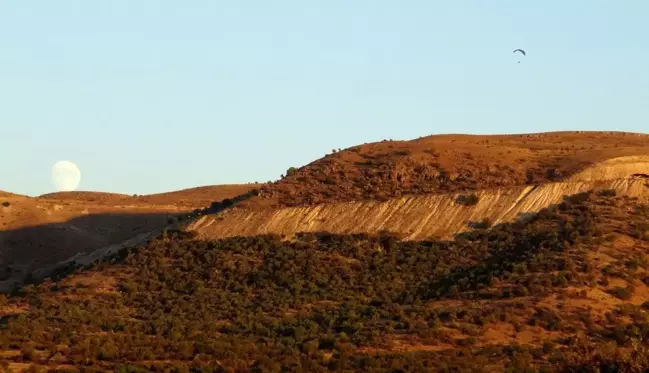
(189, 198)
(36, 233)
(4, 194)
(566, 290)
(448, 163)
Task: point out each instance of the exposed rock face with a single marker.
(416, 217)
(615, 168)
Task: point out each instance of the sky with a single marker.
(151, 96)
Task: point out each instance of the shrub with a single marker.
(482, 224)
(547, 319)
(622, 293)
(6, 204)
(291, 171)
(467, 199)
(607, 193)
(28, 353)
(529, 176)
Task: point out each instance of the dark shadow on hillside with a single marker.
(31, 253)
(27, 249)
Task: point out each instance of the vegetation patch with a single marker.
(353, 303)
(467, 199)
(607, 193)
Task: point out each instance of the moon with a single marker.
(65, 176)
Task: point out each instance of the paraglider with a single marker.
(520, 50)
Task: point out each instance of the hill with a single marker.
(448, 163)
(192, 198)
(4, 194)
(508, 175)
(563, 290)
(37, 233)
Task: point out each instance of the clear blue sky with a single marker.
(149, 96)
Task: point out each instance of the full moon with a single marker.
(65, 176)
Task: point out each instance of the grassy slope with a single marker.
(447, 163)
(542, 292)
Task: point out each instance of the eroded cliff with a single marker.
(416, 217)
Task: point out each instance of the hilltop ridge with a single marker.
(447, 163)
(190, 198)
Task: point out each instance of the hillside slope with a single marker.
(4, 194)
(420, 216)
(36, 233)
(192, 198)
(448, 163)
(563, 290)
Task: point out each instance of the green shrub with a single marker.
(482, 224)
(28, 353)
(291, 171)
(467, 199)
(607, 193)
(622, 293)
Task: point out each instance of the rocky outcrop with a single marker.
(415, 218)
(615, 168)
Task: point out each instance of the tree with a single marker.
(291, 171)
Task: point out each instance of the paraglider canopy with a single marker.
(520, 50)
